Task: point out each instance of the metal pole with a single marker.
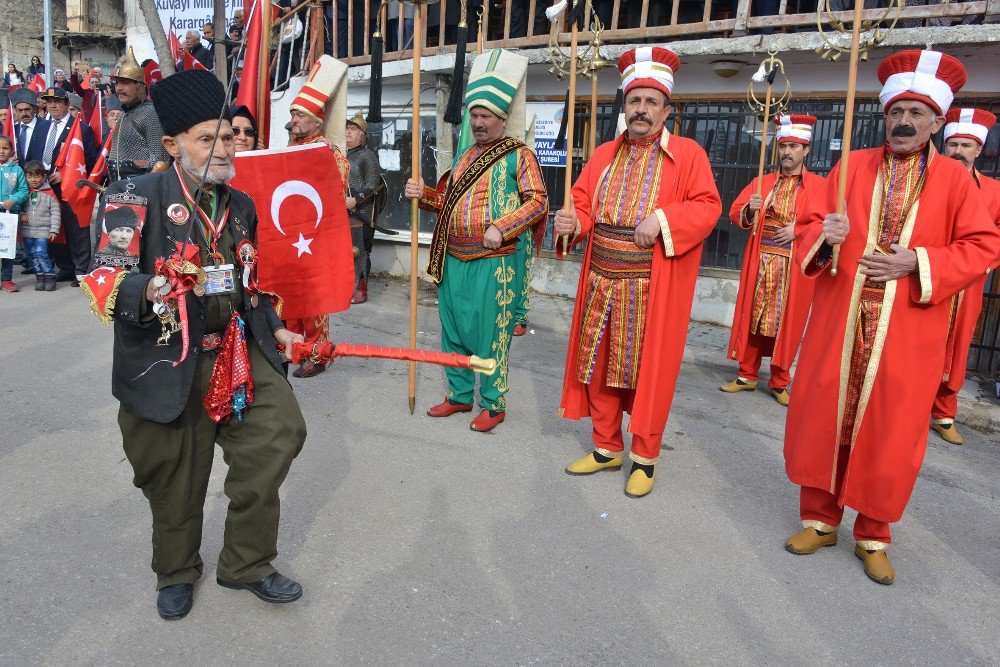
(47, 37)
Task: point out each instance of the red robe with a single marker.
(970, 301)
(689, 201)
(800, 290)
(955, 241)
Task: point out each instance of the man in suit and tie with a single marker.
(77, 231)
(30, 131)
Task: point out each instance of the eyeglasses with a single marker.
(249, 132)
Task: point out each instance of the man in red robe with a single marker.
(773, 301)
(645, 203)
(964, 136)
(915, 232)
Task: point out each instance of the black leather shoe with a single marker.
(175, 601)
(274, 587)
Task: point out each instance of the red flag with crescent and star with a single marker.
(72, 165)
(303, 235)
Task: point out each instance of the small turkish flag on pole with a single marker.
(175, 46)
(303, 236)
(191, 63)
(37, 84)
(97, 117)
(72, 165)
(151, 72)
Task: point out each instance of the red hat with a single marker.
(969, 124)
(317, 89)
(649, 67)
(796, 128)
(930, 77)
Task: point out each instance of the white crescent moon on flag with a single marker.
(289, 189)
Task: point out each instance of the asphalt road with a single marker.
(420, 542)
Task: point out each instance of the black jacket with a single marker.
(159, 391)
(36, 146)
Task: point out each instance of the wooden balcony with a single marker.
(522, 24)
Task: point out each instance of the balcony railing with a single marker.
(522, 24)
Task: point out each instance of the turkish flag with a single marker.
(303, 236)
(8, 127)
(101, 166)
(72, 165)
(151, 72)
(175, 46)
(97, 116)
(191, 63)
(251, 80)
(37, 84)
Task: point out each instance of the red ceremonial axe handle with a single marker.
(322, 353)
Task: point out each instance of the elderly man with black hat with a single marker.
(363, 185)
(76, 257)
(136, 148)
(178, 399)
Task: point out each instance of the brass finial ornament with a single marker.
(765, 110)
(768, 72)
(872, 32)
(592, 60)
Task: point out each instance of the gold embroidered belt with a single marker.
(615, 254)
(872, 292)
(467, 248)
(769, 245)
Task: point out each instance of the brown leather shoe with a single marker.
(808, 541)
(520, 329)
(877, 565)
(781, 396)
(447, 408)
(949, 433)
(738, 385)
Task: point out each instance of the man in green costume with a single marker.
(494, 193)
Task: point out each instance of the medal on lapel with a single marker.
(178, 214)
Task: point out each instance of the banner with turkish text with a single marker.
(303, 235)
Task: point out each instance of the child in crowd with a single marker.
(40, 225)
(13, 195)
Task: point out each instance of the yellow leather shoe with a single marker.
(588, 465)
(638, 484)
(949, 433)
(781, 396)
(808, 541)
(738, 385)
(877, 565)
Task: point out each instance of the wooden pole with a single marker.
(219, 49)
(571, 110)
(593, 111)
(763, 149)
(418, 34)
(845, 142)
(263, 58)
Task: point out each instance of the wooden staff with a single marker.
(263, 88)
(763, 143)
(418, 32)
(571, 110)
(845, 142)
(593, 112)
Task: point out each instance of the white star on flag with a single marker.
(80, 168)
(302, 245)
(100, 280)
